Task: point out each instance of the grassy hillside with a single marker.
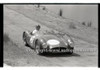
(56, 22)
(79, 12)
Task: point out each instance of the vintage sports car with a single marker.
(48, 43)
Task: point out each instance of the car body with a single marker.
(48, 43)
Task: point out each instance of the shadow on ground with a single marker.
(60, 55)
(63, 54)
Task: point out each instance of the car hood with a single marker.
(53, 38)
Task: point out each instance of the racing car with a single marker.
(47, 43)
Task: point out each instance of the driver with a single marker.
(34, 32)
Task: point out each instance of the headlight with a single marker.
(50, 46)
(69, 41)
(44, 45)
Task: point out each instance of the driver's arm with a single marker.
(34, 31)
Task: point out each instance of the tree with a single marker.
(38, 5)
(60, 12)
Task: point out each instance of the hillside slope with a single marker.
(58, 23)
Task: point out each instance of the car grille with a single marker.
(59, 48)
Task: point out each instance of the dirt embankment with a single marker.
(16, 54)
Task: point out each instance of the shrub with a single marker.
(44, 8)
(89, 24)
(83, 23)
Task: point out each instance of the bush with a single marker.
(89, 24)
(83, 23)
(44, 8)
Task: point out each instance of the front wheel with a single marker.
(70, 52)
(38, 49)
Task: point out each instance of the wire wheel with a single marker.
(38, 48)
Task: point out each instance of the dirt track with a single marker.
(19, 55)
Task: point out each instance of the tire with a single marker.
(24, 39)
(71, 52)
(38, 48)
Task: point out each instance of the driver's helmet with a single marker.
(38, 27)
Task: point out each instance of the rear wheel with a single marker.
(24, 39)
